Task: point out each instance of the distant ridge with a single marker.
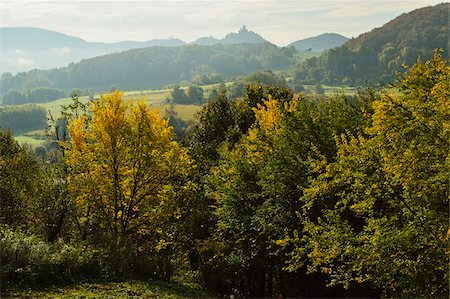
(241, 37)
(30, 38)
(206, 41)
(25, 48)
(321, 42)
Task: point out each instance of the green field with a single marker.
(154, 98)
(129, 289)
(157, 99)
(31, 141)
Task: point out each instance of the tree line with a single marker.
(162, 66)
(34, 95)
(266, 195)
(23, 118)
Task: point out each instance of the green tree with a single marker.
(195, 94)
(18, 173)
(379, 214)
(179, 125)
(178, 95)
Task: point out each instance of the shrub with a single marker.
(27, 259)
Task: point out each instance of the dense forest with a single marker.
(266, 195)
(376, 56)
(155, 67)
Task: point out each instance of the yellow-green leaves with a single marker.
(389, 189)
(411, 130)
(124, 169)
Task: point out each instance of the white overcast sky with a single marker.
(278, 21)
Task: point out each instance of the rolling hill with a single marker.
(154, 67)
(377, 55)
(27, 48)
(321, 42)
(243, 36)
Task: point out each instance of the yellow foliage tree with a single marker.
(126, 173)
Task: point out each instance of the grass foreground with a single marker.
(127, 289)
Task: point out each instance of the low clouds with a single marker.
(15, 64)
(61, 51)
(278, 21)
(23, 61)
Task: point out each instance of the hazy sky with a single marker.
(278, 21)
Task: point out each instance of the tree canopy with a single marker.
(126, 174)
(270, 194)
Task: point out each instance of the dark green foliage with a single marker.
(179, 125)
(206, 79)
(193, 95)
(32, 194)
(257, 191)
(267, 77)
(178, 95)
(210, 130)
(14, 96)
(34, 95)
(18, 172)
(23, 118)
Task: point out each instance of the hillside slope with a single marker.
(155, 67)
(377, 55)
(25, 48)
(243, 36)
(321, 42)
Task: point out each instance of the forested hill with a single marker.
(156, 66)
(377, 55)
(26, 48)
(321, 42)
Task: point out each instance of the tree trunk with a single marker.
(262, 283)
(54, 230)
(193, 258)
(270, 283)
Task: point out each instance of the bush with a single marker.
(28, 260)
